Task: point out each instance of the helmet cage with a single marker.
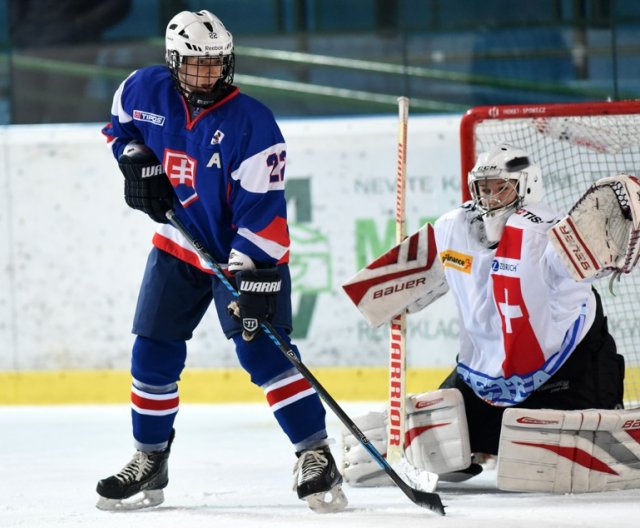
(191, 85)
(499, 197)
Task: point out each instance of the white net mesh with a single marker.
(574, 151)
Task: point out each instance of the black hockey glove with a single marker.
(146, 186)
(256, 303)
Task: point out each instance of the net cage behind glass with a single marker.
(574, 144)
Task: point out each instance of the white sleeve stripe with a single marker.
(116, 107)
(271, 248)
(254, 173)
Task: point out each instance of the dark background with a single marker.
(61, 60)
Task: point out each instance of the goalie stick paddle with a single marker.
(425, 499)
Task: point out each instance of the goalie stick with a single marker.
(398, 327)
(425, 499)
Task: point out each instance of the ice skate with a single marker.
(141, 480)
(318, 481)
(462, 474)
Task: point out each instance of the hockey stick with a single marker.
(398, 329)
(421, 498)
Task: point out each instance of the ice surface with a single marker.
(231, 467)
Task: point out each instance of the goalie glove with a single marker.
(409, 277)
(601, 233)
(146, 186)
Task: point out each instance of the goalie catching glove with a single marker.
(258, 291)
(146, 186)
(601, 233)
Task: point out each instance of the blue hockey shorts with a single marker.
(174, 297)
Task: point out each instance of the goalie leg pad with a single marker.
(358, 468)
(437, 436)
(569, 451)
(436, 439)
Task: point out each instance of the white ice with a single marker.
(231, 467)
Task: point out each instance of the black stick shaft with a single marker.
(422, 498)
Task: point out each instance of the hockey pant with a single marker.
(173, 298)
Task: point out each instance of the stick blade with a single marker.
(427, 500)
(417, 485)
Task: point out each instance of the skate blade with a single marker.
(145, 499)
(330, 501)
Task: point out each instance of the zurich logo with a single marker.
(494, 265)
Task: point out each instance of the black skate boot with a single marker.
(462, 474)
(318, 481)
(146, 472)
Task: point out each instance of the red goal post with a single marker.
(575, 144)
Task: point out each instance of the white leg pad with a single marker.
(436, 440)
(358, 468)
(569, 451)
(437, 437)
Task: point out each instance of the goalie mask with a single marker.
(199, 54)
(503, 180)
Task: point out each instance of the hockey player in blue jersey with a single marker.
(185, 138)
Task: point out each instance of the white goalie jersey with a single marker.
(521, 313)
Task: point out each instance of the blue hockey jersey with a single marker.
(226, 165)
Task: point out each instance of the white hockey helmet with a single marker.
(520, 183)
(507, 163)
(200, 34)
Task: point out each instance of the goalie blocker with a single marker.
(407, 277)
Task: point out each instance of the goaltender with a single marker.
(538, 380)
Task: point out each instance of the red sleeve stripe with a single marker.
(287, 391)
(272, 248)
(277, 231)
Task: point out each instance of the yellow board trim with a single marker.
(197, 385)
(220, 385)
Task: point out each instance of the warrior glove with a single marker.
(146, 186)
(258, 291)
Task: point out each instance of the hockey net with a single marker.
(574, 144)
